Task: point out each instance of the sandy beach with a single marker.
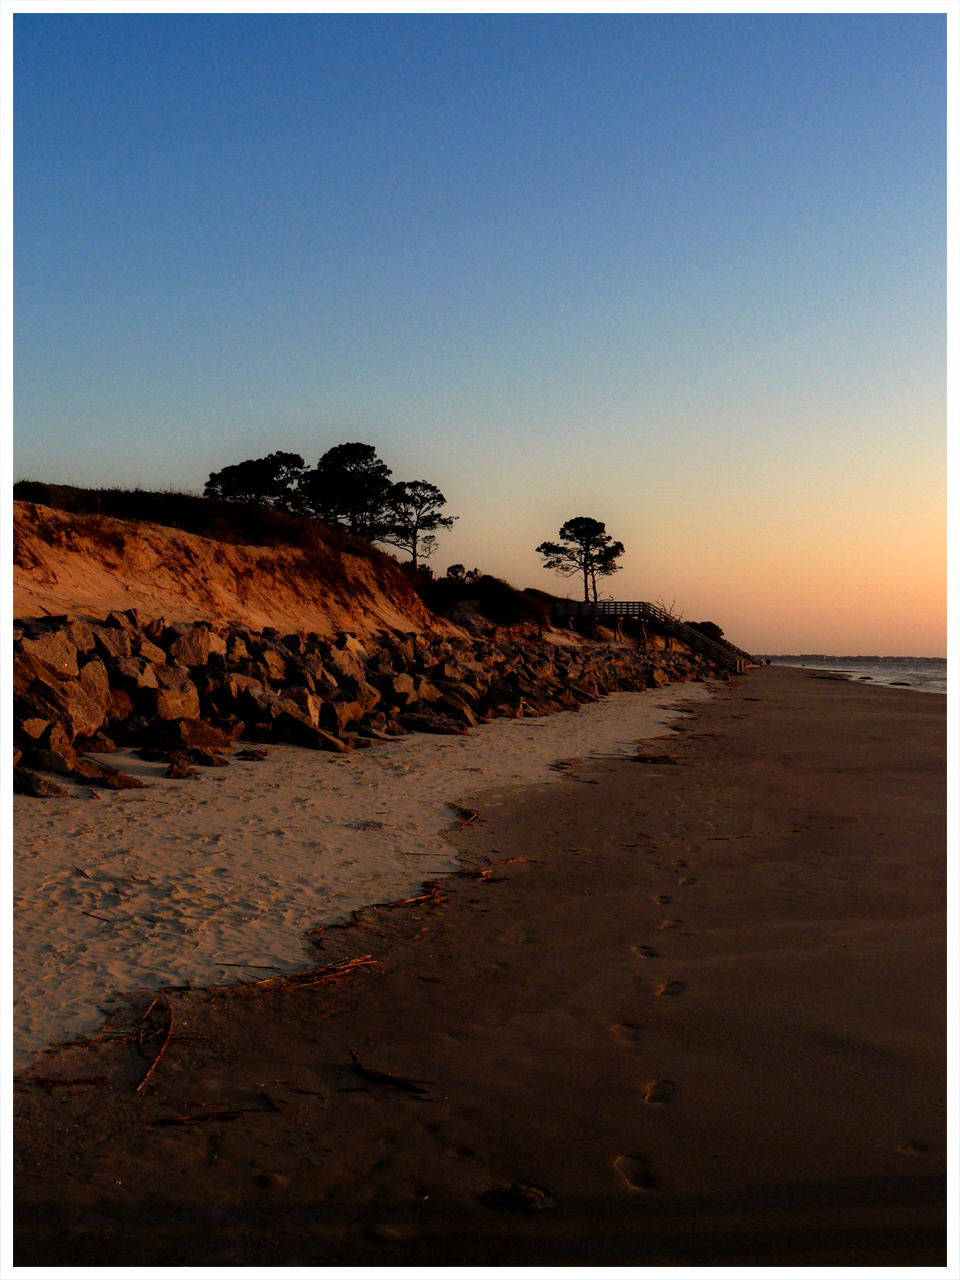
(216, 878)
(678, 1011)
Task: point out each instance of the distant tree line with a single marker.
(350, 486)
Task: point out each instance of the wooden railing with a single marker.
(721, 651)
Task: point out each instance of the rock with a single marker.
(237, 650)
(208, 679)
(230, 725)
(56, 651)
(293, 729)
(98, 742)
(131, 732)
(251, 753)
(275, 666)
(194, 647)
(96, 682)
(152, 652)
(426, 691)
(431, 724)
(308, 704)
(263, 704)
(26, 783)
(209, 759)
(334, 716)
(119, 706)
(131, 675)
(111, 642)
(63, 761)
(342, 663)
(29, 732)
(457, 709)
(187, 732)
(656, 678)
(38, 694)
(123, 621)
(167, 704)
(347, 642)
(399, 690)
(80, 635)
(181, 768)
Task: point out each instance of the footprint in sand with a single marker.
(646, 953)
(678, 862)
(627, 1032)
(635, 1171)
(672, 989)
(658, 1092)
(688, 880)
(663, 900)
(669, 924)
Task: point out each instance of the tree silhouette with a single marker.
(271, 481)
(584, 548)
(350, 486)
(412, 518)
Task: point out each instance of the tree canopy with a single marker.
(266, 482)
(350, 486)
(413, 517)
(585, 548)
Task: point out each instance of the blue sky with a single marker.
(685, 274)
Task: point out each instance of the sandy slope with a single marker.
(66, 564)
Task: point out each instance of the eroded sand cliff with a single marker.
(89, 565)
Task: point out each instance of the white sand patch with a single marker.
(206, 880)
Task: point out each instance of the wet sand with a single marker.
(766, 1089)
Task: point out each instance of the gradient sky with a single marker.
(684, 274)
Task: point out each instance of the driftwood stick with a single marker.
(163, 1048)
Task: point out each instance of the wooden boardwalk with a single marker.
(647, 614)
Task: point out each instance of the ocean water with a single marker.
(926, 674)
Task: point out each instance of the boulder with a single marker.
(152, 652)
(308, 704)
(294, 729)
(96, 682)
(335, 715)
(38, 694)
(111, 642)
(98, 742)
(656, 678)
(233, 727)
(131, 732)
(119, 706)
(30, 732)
(56, 651)
(27, 783)
(181, 768)
(131, 675)
(431, 724)
(343, 663)
(457, 708)
(185, 733)
(168, 704)
(194, 647)
(275, 666)
(347, 642)
(399, 690)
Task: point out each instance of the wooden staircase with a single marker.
(720, 651)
